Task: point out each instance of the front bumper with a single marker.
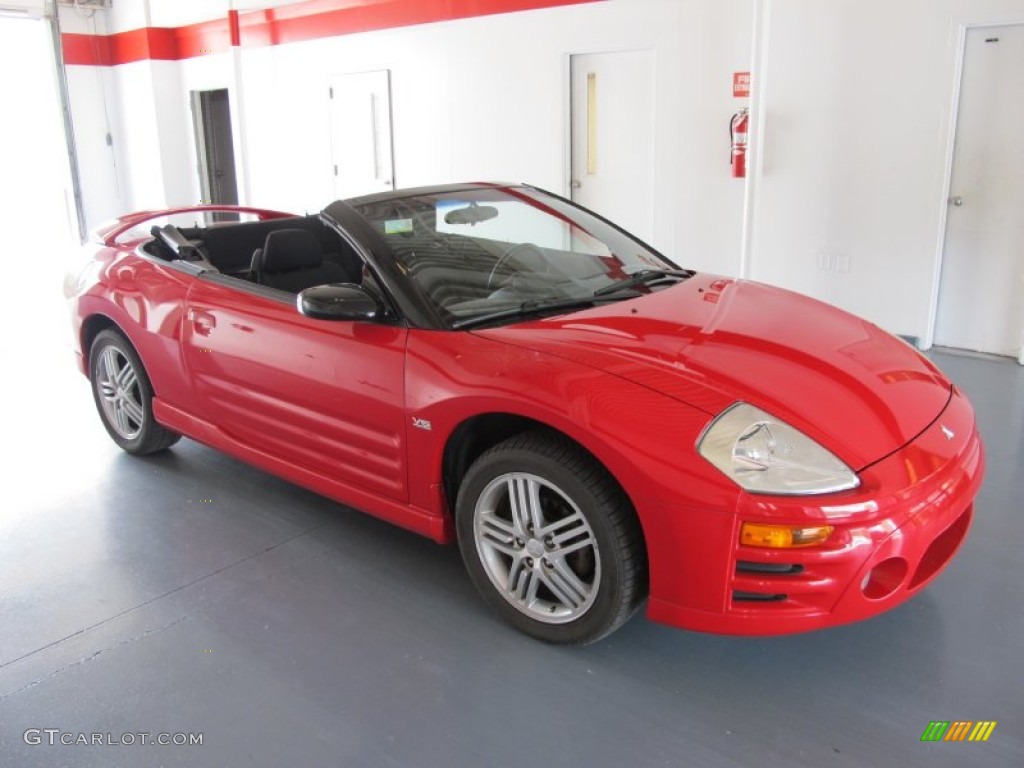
(892, 536)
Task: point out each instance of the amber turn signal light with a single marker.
(783, 536)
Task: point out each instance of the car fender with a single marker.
(641, 436)
(146, 303)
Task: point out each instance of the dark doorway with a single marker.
(211, 112)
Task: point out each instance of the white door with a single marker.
(981, 293)
(612, 111)
(361, 133)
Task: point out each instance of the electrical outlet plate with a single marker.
(829, 261)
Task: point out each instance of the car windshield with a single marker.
(505, 252)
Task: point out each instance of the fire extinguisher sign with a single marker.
(741, 85)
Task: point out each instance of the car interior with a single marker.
(289, 254)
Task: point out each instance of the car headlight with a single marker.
(764, 454)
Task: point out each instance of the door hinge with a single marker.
(335, 170)
(330, 91)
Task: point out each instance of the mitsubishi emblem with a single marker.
(949, 433)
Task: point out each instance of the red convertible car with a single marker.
(593, 424)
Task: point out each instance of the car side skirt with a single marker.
(412, 518)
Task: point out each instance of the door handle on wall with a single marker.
(957, 201)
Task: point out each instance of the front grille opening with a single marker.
(781, 569)
(756, 597)
(942, 549)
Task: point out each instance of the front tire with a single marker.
(124, 396)
(550, 540)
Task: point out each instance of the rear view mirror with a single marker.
(471, 214)
(338, 301)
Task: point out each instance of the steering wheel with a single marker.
(514, 253)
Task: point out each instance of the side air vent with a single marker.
(782, 569)
(756, 597)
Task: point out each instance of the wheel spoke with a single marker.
(104, 375)
(564, 571)
(498, 533)
(565, 527)
(531, 592)
(576, 546)
(569, 534)
(126, 377)
(122, 419)
(522, 582)
(565, 585)
(109, 362)
(132, 410)
(524, 501)
(107, 391)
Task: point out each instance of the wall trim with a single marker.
(311, 20)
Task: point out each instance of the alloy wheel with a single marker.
(120, 396)
(537, 547)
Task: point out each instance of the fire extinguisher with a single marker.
(738, 140)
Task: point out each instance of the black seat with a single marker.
(291, 260)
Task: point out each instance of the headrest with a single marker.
(287, 249)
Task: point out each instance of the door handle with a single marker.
(957, 201)
(575, 184)
(202, 322)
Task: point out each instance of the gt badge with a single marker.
(424, 424)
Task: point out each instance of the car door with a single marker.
(322, 394)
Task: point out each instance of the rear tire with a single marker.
(124, 396)
(550, 540)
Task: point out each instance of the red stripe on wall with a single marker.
(310, 20)
(106, 50)
(90, 50)
(202, 39)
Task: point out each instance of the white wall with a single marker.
(487, 98)
(852, 141)
(176, 13)
(480, 98)
(856, 110)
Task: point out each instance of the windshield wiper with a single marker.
(645, 277)
(527, 308)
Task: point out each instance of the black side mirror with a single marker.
(338, 301)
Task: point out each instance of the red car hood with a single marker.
(711, 341)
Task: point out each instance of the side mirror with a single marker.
(338, 301)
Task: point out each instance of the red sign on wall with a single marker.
(741, 85)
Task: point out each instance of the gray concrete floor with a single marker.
(190, 593)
